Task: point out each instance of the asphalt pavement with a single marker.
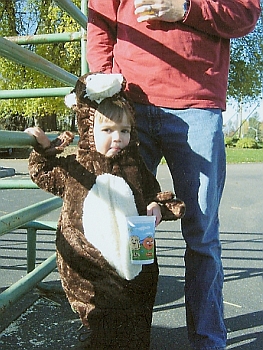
(44, 320)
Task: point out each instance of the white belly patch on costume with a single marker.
(105, 209)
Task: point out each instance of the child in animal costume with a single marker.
(102, 184)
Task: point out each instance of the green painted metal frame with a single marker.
(35, 93)
(20, 139)
(10, 49)
(25, 284)
(22, 184)
(28, 58)
(22, 219)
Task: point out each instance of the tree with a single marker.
(246, 75)
(29, 17)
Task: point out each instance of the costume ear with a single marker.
(71, 99)
(100, 86)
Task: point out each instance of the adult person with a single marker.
(175, 57)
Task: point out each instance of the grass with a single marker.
(240, 155)
(244, 155)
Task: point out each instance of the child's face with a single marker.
(111, 137)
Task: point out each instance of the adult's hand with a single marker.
(161, 10)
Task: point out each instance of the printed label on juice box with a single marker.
(141, 239)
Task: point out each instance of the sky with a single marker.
(231, 112)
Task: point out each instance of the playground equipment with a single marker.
(26, 218)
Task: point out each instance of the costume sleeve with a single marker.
(224, 18)
(102, 27)
(47, 170)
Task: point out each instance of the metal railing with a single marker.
(10, 49)
(34, 274)
(24, 218)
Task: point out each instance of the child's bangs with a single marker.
(115, 110)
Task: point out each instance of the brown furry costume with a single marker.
(118, 311)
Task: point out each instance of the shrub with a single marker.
(246, 143)
(229, 141)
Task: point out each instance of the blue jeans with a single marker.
(192, 142)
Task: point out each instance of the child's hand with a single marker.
(40, 136)
(153, 209)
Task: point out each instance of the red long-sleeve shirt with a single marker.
(174, 65)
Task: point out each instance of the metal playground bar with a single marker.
(25, 218)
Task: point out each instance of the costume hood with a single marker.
(90, 90)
